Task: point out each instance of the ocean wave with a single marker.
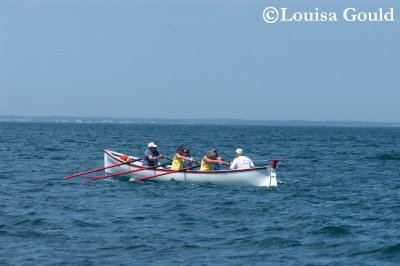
(334, 231)
(388, 252)
(389, 157)
(267, 242)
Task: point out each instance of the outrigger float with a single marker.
(257, 176)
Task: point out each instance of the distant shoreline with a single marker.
(165, 121)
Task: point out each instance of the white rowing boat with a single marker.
(258, 176)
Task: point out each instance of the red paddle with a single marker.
(98, 169)
(126, 172)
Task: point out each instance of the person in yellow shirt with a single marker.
(211, 158)
(180, 157)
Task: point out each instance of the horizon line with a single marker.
(5, 118)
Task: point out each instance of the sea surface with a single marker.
(337, 201)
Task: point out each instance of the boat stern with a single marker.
(271, 180)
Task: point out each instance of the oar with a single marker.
(227, 163)
(99, 169)
(170, 172)
(126, 172)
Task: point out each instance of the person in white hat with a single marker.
(241, 161)
(151, 155)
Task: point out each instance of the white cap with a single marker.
(239, 151)
(152, 145)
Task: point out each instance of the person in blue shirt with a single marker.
(151, 155)
(217, 165)
(188, 163)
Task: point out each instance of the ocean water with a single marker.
(337, 201)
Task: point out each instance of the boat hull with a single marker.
(259, 176)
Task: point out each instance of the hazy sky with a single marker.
(197, 59)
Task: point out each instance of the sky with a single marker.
(198, 59)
